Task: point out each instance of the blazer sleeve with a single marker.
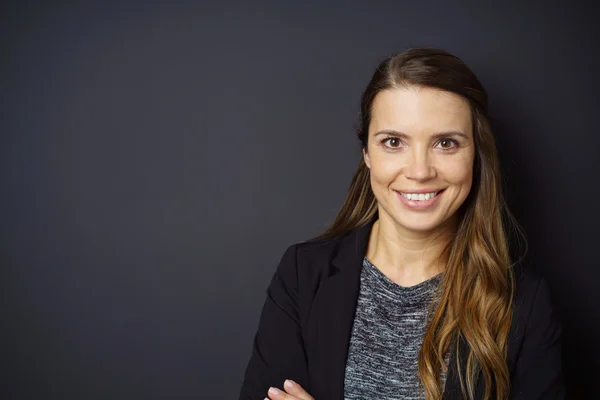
(278, 350)
(538, 372)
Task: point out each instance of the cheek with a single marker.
(458, 171)
(384, 170)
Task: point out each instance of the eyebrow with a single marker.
(436, 135)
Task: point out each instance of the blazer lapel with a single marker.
(333, 308)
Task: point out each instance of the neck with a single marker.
(408, 257)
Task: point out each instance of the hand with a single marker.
(293, 391)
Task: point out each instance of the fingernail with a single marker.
(274, 391)
(288, 384)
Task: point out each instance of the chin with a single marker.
(417, 226)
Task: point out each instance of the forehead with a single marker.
(420, 110)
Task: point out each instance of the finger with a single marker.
(296, 390)
(278, 394)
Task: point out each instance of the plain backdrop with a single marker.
(156, 159)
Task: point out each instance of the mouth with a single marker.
(421, 196)
(420, 201)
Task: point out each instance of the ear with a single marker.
(367, 158)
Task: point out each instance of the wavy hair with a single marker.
(474, 301)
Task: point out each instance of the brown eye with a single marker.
(392, 142)
(447, 144)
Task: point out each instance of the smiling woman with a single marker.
(420, 151)
(412, 293)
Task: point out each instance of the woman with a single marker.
(411, 293)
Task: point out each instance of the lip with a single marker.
(420, 204)
(418, 191)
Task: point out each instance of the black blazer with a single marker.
(306, 322)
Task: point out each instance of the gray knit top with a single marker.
(387, 334)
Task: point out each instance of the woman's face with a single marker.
(420, 154)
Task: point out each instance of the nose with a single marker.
(419, 167)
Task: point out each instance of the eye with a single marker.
(447, 144)
(392, 142)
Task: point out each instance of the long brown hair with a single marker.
(475, 298)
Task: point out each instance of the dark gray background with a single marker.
(157, 160)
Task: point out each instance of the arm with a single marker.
(278, 351)
(538, 373)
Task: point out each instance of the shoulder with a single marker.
(320, 249)
(310, 257)
(531, 290)
(534, 355)
(311, 262)
(535, 320)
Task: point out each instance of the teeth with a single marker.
(420, 196)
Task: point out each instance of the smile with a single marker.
(420, 201)
(419, 196)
